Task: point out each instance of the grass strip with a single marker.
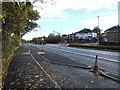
(105, 47)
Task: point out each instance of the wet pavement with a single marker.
(25, 73)
(0, 65)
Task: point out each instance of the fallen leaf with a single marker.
(91, 81)
(36, 76)
(12, 83)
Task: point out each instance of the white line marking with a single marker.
(45, 72)
(107, 59)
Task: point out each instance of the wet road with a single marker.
(78, 56)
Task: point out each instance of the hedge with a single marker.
(116, 48)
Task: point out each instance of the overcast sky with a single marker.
(69, 16)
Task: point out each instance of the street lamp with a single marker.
(98, 31)
(98, 21)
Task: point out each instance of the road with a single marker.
(30, 69)
(78, 56)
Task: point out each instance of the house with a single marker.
(86, 34)
(111, 35)
(65, 36)
(71, 36)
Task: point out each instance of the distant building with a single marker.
(71, 36)
(86, 34)
(111, 35)
(65, 36)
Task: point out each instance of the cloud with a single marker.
(62, 5)
(58, 10)
(105, 22)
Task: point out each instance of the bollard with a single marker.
(96, 67)
(42, 49)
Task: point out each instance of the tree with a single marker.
(17, 20)
(30, 24)
(52, 38)
(98, 31)
(12, 23)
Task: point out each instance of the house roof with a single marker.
(64, 35)
(113, 29)
(85, 30)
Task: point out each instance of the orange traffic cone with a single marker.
(96, 67)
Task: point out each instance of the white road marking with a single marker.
(45, 71)
(107, 59)
(40, 53)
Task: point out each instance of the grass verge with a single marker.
(103, 47)
(6, 59)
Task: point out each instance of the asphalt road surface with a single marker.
(71, 68)
(28, 68)
(78, 56)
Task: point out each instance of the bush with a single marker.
(8, 48)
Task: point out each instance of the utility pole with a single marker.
(98, 30)
(98, 21)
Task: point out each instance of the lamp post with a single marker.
(98, 31)
(98, 21)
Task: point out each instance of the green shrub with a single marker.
(117, 48)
